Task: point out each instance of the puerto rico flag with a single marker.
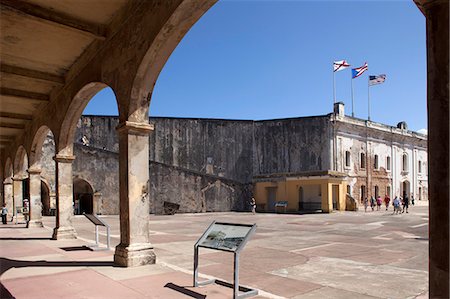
(340, 65)
(359, 70)
(373, 80)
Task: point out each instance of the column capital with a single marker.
(34, 171)
(18, 178)
(7, 181)
(425, 5)
(135, 128)
(63, 158)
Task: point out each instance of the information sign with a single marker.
(230, 237)
(225, 236)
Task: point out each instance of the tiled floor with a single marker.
(339, 255)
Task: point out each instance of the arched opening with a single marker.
(405, 189)
(45, 199)
(83, 197)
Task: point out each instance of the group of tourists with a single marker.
(400, 204)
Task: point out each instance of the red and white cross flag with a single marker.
(340, 65)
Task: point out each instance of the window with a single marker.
(349, 189)
(347, 159)
(375, 162)
(388, 190)
(388, 163)
(420, 166)
(405, 162)
(363, 192)
(377, 191)
(363, 160)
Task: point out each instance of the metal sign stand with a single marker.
(246, 292)
(98, 222)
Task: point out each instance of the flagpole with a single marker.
(334, 86)
(353, 111)
(368, 97)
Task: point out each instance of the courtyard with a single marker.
(338, 255)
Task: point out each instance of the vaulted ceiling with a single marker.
(40, 40)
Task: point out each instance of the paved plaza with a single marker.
(338, 255)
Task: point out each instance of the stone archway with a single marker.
(83, 197)
(45, 199)
(405, 189)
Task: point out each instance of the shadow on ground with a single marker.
(6, 264)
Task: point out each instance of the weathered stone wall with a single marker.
(292, 145)
(212, 146)
(195, 192)
(100, 168)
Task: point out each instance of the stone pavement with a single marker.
(339, 255)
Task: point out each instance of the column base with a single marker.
(134, 255)
(34, 223)
(61, 233)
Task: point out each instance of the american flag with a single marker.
(373, 80)
(359, 70)
(340, 65)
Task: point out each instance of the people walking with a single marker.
(412, 199)
(366, 204)
(379, 202)
(405, 203)
(4, 213)
(387, 200)
(372, 203)
(396, 204)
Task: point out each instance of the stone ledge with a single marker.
(134, 127)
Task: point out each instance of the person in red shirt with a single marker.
(387, 200)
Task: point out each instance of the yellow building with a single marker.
(305, 191)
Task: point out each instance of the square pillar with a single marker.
(35, 213)
(135, 248)
(8, 195)
(437, 30)
(327, 197)
(64, 198)
(17, 194)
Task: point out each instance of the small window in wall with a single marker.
(420, 166)
(363, 160)
(375, 162)
(388, 163)
(347, 159)
(349, 189)
(405, 162)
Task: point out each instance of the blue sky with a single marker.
(273, 59)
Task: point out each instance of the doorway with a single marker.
(83, 197)
(271, 198)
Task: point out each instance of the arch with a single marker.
(36, 146)
(168, 38)
(45, 198)
(83, 196)
(73, 114)
(405, 188)
(8, 169)
(21, 162)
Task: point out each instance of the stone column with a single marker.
(8, 195)
(436, 13)
(17, 195)
(35, 213)
(134, 248)
(64, 198)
